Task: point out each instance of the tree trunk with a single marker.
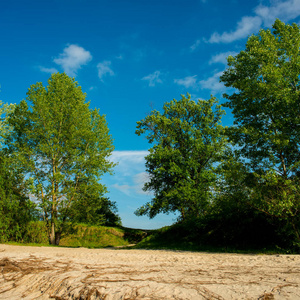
(55, 236)
(52, 234)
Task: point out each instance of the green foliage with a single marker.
(266, 106)
(4, 127)
(266, 102)
(83, 235)
(16, 210)
(188, 140)
(62, 145)
(36, 233)
(93, 208)
(220, 233)
(94, 237)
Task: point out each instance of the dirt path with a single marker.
(64, 273)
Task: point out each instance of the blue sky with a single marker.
(129, 56)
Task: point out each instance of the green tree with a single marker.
(188, 140)
(5, 109)
(16, 210)
(266, 107)
(93, 208)
(62, 144)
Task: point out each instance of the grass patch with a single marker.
(181, 236)
(185, 237)
(94, 237)
(82, 235)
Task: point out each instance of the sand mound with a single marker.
(63, 273)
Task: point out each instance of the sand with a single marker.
(111, 274)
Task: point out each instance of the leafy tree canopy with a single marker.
(5, 109)
(62, 145)
(266, 103)
(188, 139)
(266, 107)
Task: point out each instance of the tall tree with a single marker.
(266, 107)
(15, 207)
(5, 109)
(188, 139)
(63, 145)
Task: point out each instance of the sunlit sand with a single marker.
(65, 273)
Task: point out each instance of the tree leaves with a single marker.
(188, 139)
(266, 110)
(62, 144)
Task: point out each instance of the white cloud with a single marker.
(139, 180)
(130, 174)
(187, 82)
(213, 83)
(72, 59)
(125, 188)
(92, 88)
(245, 27)
(153, 78)
(105, 69)
(136, 186)
(130, 156)
(129, 162)
(222, 57)
(195, 45)
(284, 10)
(48, 70)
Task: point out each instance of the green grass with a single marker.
(82, 235)
(181, 237)
(95, 237)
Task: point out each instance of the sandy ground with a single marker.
(64, 273)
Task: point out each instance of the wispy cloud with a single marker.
(153, 78)
(72, 59)
(124, 188)
(213, 83)
(187, 82)
(139, 180)
(263, 15)
(48, 70)
(222, 57)
(244, 28)
(136, 187)
(92, 88)
(130, 174)
(195, 45)
(104, 69)
(283, 10)
(126, 158)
